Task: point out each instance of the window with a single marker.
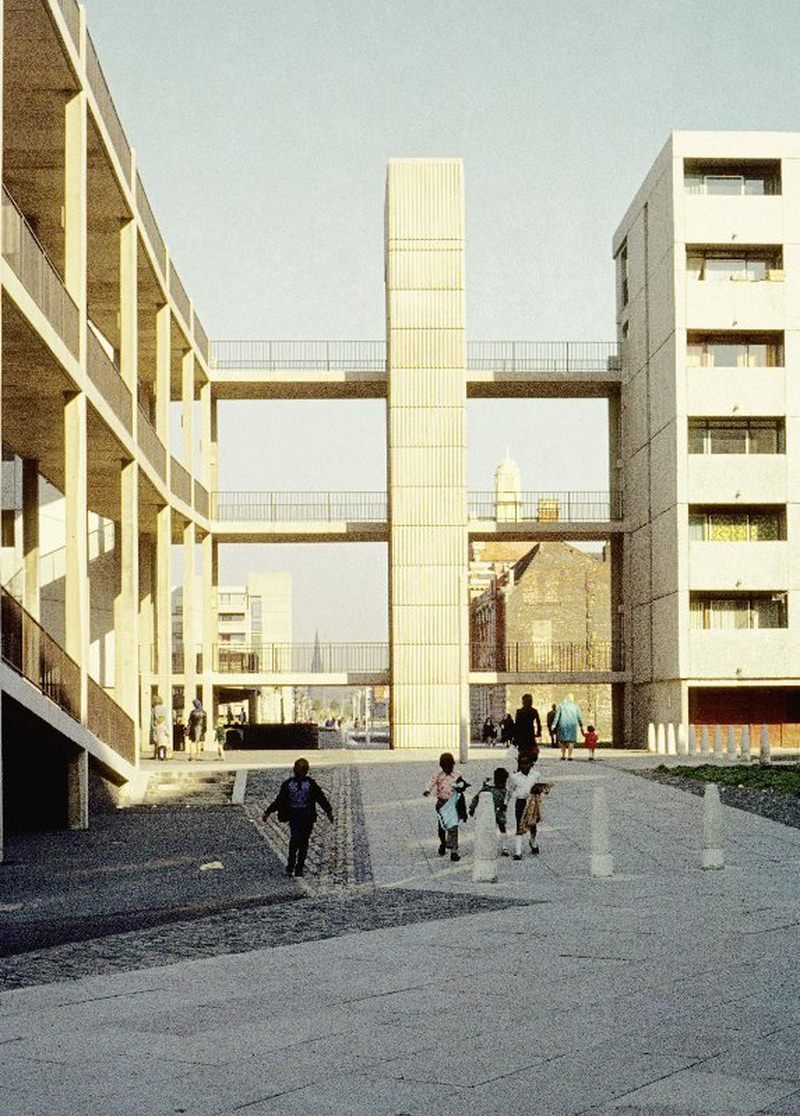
(740, 611)
(231, 617)
(622, 274)
(720, 524)
(735, 177)
(734, 350)
(737, 436)
(740, 263)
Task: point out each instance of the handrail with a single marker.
(110, 723)
(106, 377)
(33, 653)
(300, 658)
(546, 507)
(546, 658)
(288, 507)
(108, 111)
(37, 273)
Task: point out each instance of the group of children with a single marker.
(523, 789)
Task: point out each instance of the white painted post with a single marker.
(661, 743)
(704, 740)
(713, 853)
(484, 867)
(671, 746)
(745, 744)
(764, 747)
(683, 747)
(601, 864)
(651, 737)
(731, 744)
(692, 749)
(718, 753)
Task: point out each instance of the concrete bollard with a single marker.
(745, 745)
(651, 737)
(672, 749)
(683, 746)
(661, 740)
(484, 850)
(692, 745)
(718, 753)
(713, 854)
(731, 744)
(764, 755)
(601, 864)
(704, 740)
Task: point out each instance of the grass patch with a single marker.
(784, 779)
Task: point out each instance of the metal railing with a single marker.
(547, 507)
(201, 499)
(105, 376)
(311, 355)
(72, 18)
(105, 103)
(110, 723)
(180, 481)
(540, 356)
(294, 507)
(178, 292)
(151, 445)
(556, 658)
(301, 658)
(179, 659)
(33, 653)
(150, 224)
(33, 267)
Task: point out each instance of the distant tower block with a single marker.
(508, 491)
(426, 410)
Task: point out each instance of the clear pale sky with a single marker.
(262, 131)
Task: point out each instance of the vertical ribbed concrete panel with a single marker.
(426, 358)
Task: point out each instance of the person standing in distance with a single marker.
(566, 723)
(527, 729)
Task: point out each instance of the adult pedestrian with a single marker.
(507, 729)
(489, 731)
(296, 803)
(527, 729)
(551, 716)
(196, 730)
(566, 723)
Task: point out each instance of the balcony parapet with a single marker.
(547, 507)
(151, 445)
(107, 379)
(547, 658)
(288, 658)
(180, 481)
(72, 18)
(108, 111)
(299, 507)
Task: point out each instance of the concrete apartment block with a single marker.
(426, 417)
(708, 290)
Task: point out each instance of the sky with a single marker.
(262, 131)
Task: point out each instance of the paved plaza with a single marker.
(162, 963)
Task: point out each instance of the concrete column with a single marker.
(76, 579)
(128, 306)
(2, 829)
(30, 535)
(163, 372)
(126, 601)
(75, 207)
(163, 607)
(209, 439)
(187, 409)
(78, 790)
(209, 552)
(147, 651)
(189, 619)
(426, 351)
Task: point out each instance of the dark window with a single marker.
(736, 436)
(735, 177)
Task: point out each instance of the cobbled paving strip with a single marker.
(239, 931)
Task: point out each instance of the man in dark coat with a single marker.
(527, 729)
(296, 803)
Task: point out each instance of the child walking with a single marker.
(296, 803)
(520, 786)
(445, 783)
(590, 740)
(497, 789)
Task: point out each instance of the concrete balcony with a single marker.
(735, 391)
(732, 654)
(715, 218)
(758, 566)
(714, 304)
(736, 478)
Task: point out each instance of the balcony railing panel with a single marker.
(546, 658)
(289, 507)
(33, 653)
(152, 446)
(110, 723)
(309, 355)
(181, 481)
(179, 659)
(547, 507)
(201, 337)
(150, 224)
(301, 658)
(106, 378)
(32, 266)
(201, 499)
(540, 356)
(178, 292)
(72, 18)
(105, 103)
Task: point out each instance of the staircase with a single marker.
(189, 788)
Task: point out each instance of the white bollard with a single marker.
(672, 749)
(683, 747)
(692, 745)
(764, 755)
(484, 850)
(704, 740)
(601, 864)
(718, 753)
(713, 854)
(661, 740)
(731, 744)
(651, 737)
(745, 743)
